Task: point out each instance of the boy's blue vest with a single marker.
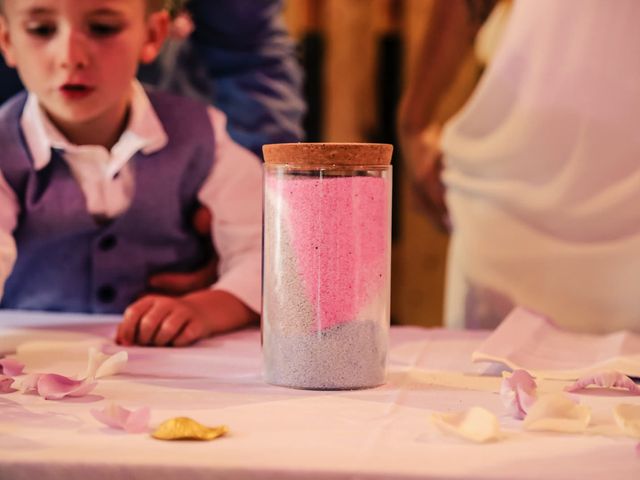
(67, 261)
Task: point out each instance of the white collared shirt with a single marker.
(232, 191)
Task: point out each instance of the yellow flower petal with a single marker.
(556, 412)
(476, 424)
(627, 417)
(184, 428)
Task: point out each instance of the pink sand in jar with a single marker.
(339, 228)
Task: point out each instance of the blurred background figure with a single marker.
(540, 167)
(239, 56)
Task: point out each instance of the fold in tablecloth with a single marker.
(532, 342)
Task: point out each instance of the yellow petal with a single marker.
(476, 424)
(184, 428)
(628, 419)
(557, 413)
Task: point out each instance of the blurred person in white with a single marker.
(540, 178)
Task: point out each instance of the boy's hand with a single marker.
(161, 321)
(156, 320)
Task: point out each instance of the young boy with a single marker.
(98, 178)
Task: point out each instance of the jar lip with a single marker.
(296, 167)
(328, 154)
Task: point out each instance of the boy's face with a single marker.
(79, 57)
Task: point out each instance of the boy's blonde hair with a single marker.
(172, 6)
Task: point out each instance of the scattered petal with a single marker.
(557, 413)
(476, 424)
(52, 386)
(28, 383)
(184, 428)
(5, 384)
(115, 416)
(103, 365)
(606, 379)
(96, 358)
(627, 417)
(11, 367)
(518, 392)
(113, 364)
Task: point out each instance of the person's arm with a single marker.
(250, 58)
(233, 194)
(9, 210)
(448, 38)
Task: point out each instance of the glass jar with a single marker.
(327, 264)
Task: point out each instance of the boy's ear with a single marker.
(5, 43)
(157, 31)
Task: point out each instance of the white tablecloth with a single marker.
(280, 433)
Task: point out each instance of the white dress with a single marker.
(543, 172)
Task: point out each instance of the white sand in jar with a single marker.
(284, 302)
(347, 356)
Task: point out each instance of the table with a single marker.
(280, 433)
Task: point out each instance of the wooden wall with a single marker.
(352, 86)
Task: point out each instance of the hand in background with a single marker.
(425, 174)
(157, 320)
(175, 284)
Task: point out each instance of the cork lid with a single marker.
(328, 154)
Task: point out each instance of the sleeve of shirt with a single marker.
(233, 194)
(9, 210)
(256, 78)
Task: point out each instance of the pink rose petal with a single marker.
(115, 416)
(606, 379)
(5, 384)
(11, 367)
(52, 386)
(518, 393)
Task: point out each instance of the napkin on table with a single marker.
(528, 341)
